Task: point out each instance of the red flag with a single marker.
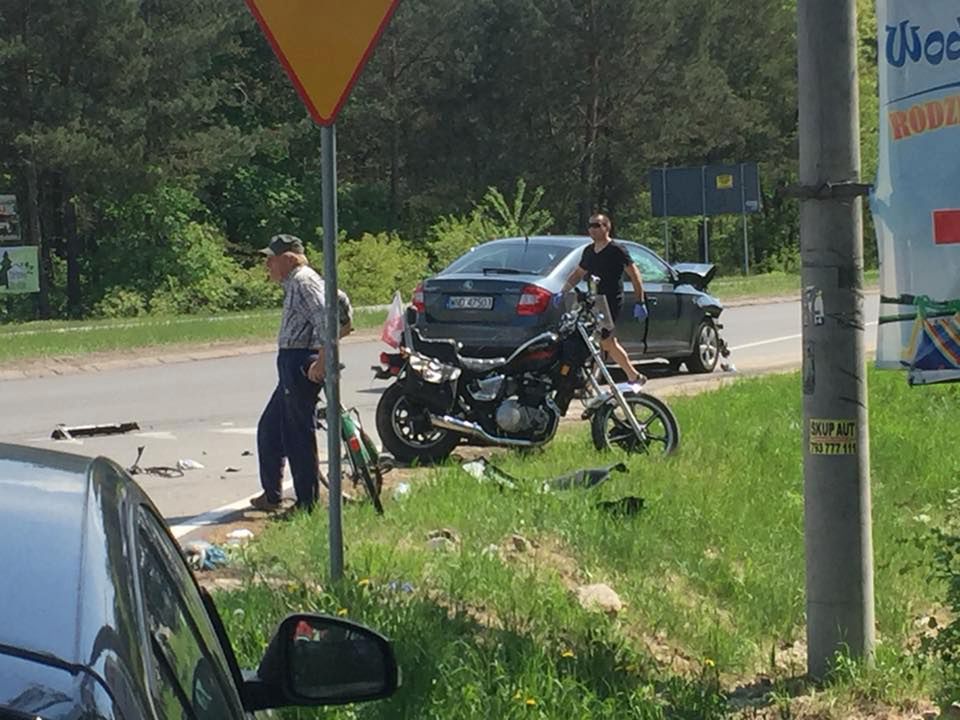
(393, 327)
(946, 227)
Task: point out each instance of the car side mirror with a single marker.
(322, 660)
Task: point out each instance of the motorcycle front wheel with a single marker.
(611, 428)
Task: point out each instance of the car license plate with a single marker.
(470, 302)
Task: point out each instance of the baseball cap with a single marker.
(280, 244)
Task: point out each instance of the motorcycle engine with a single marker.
(512, 416)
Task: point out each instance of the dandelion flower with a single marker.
(568, 653)
(709, 663)
(364, 582)
(517, 695)
(531, 702)
(342, 612)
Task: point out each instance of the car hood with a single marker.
(697, 274)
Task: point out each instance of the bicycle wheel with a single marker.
(372, 480)
(374, 459)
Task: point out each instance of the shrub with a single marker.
(372, 268)
(493, 217)
(121, 302)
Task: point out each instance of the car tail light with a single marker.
(533, 300)
(417, 300)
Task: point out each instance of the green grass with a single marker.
(712, 572)
(48, 339)
(58, 338)
(738, 287)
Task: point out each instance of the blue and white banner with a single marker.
(916, 197)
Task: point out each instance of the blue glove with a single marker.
(640, 311)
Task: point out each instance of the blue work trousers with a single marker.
(287, 430)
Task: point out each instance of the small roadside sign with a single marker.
(724, 182)
(323, 45)
(9, 221)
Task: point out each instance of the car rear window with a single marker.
(533, 258)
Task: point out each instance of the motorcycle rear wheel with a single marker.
(405, 430)
(611, 428)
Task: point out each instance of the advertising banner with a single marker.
(19, 270)
(916, 196)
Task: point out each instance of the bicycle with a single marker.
(362, 454)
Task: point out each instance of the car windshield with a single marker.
(513, 258)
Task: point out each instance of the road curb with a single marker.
(99, 363)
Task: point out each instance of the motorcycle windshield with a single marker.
(601, 310)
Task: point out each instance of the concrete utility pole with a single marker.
(836, 467)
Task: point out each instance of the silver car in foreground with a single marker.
(100, 616)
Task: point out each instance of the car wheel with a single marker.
(706, 349)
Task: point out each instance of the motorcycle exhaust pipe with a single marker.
(470, 429)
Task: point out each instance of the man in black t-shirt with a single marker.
(608, 261)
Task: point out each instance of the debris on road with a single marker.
(482, 469)
(64, 432)
(202, 555)
(161, 470)
(586, 478)
(239, 535)
(625, 506)
(188, 464)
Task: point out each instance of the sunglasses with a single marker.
(595, 225)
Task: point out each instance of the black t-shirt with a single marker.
(608, 265)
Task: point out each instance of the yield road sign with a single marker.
(323, 45)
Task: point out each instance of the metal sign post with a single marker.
(703, 203)
(323, 46)
(743, 205)
(328, 159)
(666, 219)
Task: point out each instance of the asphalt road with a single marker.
(206, 411)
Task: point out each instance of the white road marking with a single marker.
(156, 435)
(236, 431)
(212, 517)
(782, 338)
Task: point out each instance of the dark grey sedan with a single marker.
(498, 295)
(101, 618)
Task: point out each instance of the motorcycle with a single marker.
(440, 399)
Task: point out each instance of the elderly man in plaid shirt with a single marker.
(287, 426)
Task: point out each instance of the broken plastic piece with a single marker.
(65, 432)
(586, 478)
(626, 506)
(240, 534)
(483, 470)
